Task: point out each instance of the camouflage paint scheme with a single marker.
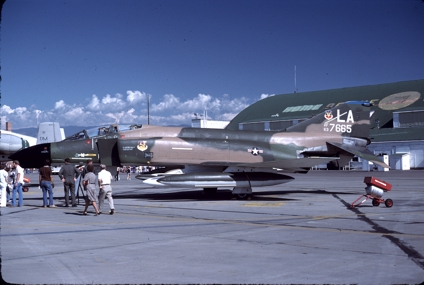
(211, 158)
(154, 145)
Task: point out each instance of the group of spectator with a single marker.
(104, 179)
(12, 180)
(131, 169)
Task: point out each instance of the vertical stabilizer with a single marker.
(349, 119)
(49, 132)
(345, 129)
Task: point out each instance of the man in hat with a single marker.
(68, 173)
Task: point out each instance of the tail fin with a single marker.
(345, 128)
(50, 132)
(349, 119)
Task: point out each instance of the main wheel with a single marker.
(243, 196)
(375, 203)
(388, 203)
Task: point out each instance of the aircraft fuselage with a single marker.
(208, 147)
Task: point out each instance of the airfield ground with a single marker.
(300, 232)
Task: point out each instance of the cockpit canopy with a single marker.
(102, 131)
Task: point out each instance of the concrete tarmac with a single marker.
(300, 232)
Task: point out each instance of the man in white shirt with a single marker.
(104, 179)
(17, 187)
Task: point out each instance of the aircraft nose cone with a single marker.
(34, 156)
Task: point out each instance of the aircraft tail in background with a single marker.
(50, 132)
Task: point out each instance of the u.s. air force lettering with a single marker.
(341, 125)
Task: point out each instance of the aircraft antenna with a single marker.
(148, 109)
(295, 87)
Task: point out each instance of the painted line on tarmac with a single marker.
(392, 236)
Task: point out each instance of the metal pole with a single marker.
(148, 109)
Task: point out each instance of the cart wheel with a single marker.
(375, 203)
(388, 203)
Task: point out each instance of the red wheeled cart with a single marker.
(375, 190)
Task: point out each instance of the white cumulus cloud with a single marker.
(134, 97)
(263, 96)
(60, 104)
(6, 109)
(168, 109)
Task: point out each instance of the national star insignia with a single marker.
(255, 151)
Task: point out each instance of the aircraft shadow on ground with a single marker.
(199, 195)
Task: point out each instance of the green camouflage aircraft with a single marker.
(212, 158)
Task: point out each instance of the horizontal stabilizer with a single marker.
(360, 152)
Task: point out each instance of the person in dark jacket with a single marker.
(69, 174)
(46, 184)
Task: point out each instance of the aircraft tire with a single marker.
(243, 196)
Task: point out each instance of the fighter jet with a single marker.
(212, 158)
(78, 147)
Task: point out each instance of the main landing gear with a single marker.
(242, 193)
(239, 193)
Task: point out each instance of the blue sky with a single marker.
(86, 63)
